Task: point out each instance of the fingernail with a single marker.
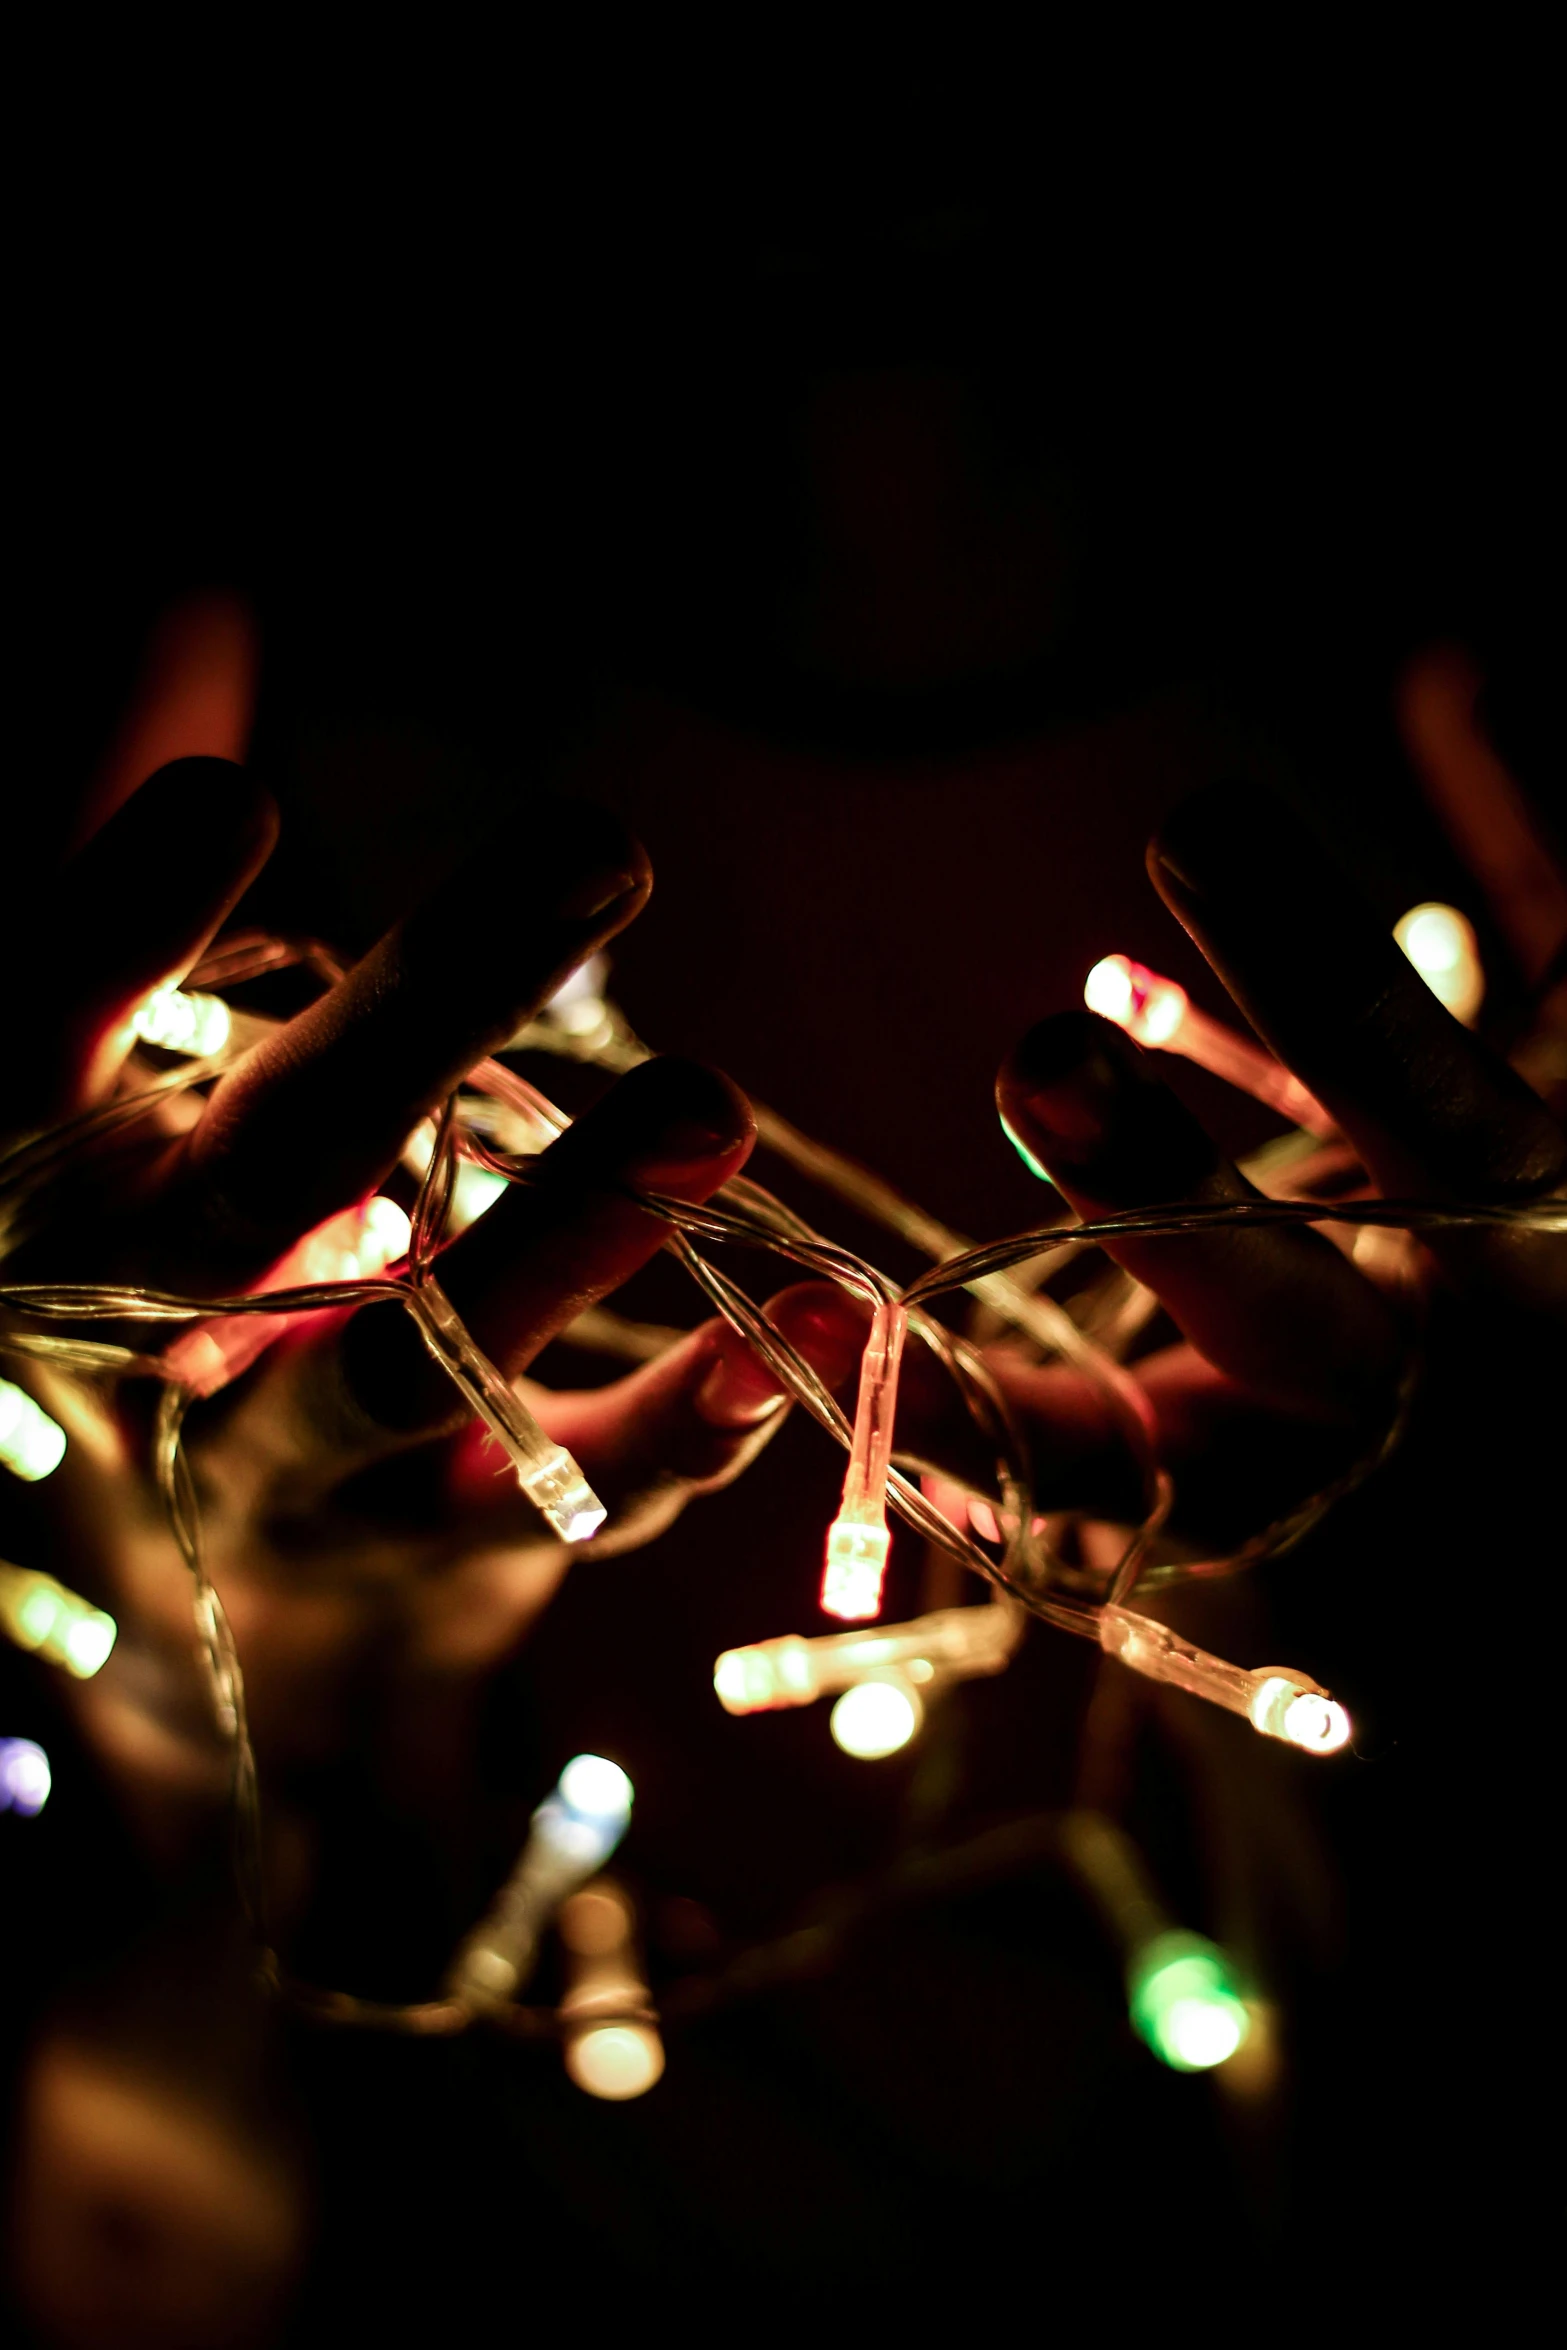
(728, 1397)
(595, 893)
(1083, 1097)
(681, 1117)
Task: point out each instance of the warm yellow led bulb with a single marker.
(41, 1615)
(615, 2061)
(1441, 944)
(876, 1717)
(181, 1023)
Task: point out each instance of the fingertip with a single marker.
(684, 1117)
(1083, 1103)
(825, 1324)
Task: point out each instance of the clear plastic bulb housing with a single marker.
(32, 1445)
(1185, 2004)
(1441, 944)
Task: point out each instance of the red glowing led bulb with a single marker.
(858, 1540)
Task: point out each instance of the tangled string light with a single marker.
(365, 1256)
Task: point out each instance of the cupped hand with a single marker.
(375, 1556)
(1292, 1345)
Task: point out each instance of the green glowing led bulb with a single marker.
(1184, 2002)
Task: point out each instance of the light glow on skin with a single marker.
(1184, 2003)
(32, 1445)
(357, 1245)
(877, 1717)
(183, 1023)
(577, 1006)
(25, 1778)
(1441, 944)
(40, 1614)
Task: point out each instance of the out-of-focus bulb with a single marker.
(385, 1233)
(856, 1564)
(574, 1831)
(1185, 2004)
(597, 1788)
(577, 1006)
(588, 1813)
(40, 1614)
(183, 1023)
(616, 2061)
(31, 1444)
(1149, 1008)
(1441, 944)
(876, 1717)
(25, 1778)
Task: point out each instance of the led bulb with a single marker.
(1441, 944)
(615, 2061)
(32, 1445)
(1150, 1009)
(1286, 1707)
(181, 1023)
(754, 1680)
(41, 1615)
(588, 1813)
(563, 1497)
(876, 1717)
(25, 1778)
(1185, 2004)
(856, 1564)
(599, 1789)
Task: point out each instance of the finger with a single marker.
(135, 908)
(1481, 808)
(690, 1422)
(1278, 1309)
(1427, 1106)
(195, 698)
(314, 1117)
(560, 1243)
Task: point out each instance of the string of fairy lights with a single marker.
(492, 1134)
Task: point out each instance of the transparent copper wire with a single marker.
(35, 1182)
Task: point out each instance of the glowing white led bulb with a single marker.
(858, 1540)
(1150, 1009)
(573, 1832)
(1275, 1699)
(32, 1445)
(25, 1778)
(877, 1716)
(1441, 944)
(183, 1023)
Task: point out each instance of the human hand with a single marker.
(375, 1567)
